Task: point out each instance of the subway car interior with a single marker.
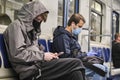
(102, 22)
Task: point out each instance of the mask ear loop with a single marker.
(72, 29)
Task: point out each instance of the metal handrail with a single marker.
(104, 35)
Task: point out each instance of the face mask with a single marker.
(77, 31)
(36, 26)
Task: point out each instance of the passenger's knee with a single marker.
(77, 61)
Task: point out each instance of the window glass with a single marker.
(0, 8)
(22, 1)
(97, 7)
(65, 8)
(92, 5)
(71, 7)
(115, 23)
(96, 21)
(95, 26)
(10, 8)
(60, 12)
(8, 11)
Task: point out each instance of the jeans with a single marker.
(91, 75)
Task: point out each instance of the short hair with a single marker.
(76, 18)
(116, 35)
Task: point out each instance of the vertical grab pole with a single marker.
(76, 6)
(65, 12)
(89, 27)
(111, 38)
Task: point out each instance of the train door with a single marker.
(115, 23)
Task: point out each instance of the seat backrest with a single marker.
(94, 49)
(44, 43)
(102, 52)
(4, 62)
(50, 43)
(106, 53)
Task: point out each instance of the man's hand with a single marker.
(41, 47)
(49, 56)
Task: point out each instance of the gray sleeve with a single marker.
(17, 48)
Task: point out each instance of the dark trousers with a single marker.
(62, 69)
(76, 75)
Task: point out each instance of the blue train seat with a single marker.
(100, 52)
(7, 73)
(3, 58)
(0, 61)
(44, 43)
(94, 49)
(106, 53)
(50, 42)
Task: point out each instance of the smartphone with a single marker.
(60, 53)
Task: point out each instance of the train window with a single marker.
(96, 21)
(23, 1)
(4, 19)
(65, 9)
(115, 23)
(9, 9)
(0, 8)
(71, 7)
(60, 12)
(97, 6)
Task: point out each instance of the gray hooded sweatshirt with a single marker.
(23, 54)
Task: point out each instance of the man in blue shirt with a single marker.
(65, 41)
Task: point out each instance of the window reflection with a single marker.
(95, 26)
(70, 10)
(21, 1)
(60, 12)
(115, 23)
(8, 11)
(96, 21)
(96, 6)
(71, 7)
(9, 8)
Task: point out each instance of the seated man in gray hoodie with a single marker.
(27, 59)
